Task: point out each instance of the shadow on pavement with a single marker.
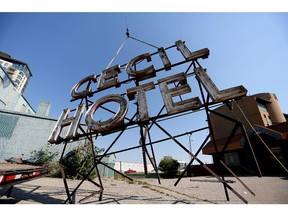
(19, 194)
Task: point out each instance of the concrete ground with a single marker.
(190, 190)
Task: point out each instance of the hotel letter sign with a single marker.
(110, 78)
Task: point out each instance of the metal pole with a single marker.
(190, 147)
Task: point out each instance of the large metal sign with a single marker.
(141, 74)
(109, 78)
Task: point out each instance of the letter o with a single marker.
(111, 123)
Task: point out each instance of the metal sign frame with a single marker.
(210, 94)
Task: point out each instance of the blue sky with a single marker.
(248, 49)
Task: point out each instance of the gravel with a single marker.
(192, 190)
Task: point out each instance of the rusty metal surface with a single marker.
(164, 58)
(140, 74)
(87, 92)
(214, 92)
(109, 77)
(114, 121)
(169, 93)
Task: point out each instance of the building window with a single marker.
(231, 159)
(266, 120)
(262, 106)
(270, 121)
(17, 82)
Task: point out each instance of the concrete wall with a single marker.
(222, 126)
(139, 167)
(22, 133)
(273, 107)
(249, 105)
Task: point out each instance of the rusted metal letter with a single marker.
(165, 60)
(63, 121)
(141, 99)
(182, 88)
(111, 123)
(189, 56)
(140, 74)
(213, 91)
(109, 77)
(87, 91)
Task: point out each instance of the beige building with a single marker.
(266, 127)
